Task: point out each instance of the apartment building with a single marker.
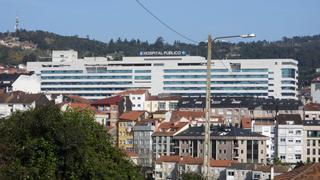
(289, 138)
(231, 143)
(161, 103)
(142, 141)
(162, 138)
(97, 77)
(137, 98)
(125, 128)
(113, 107)
(234, 108)
(311, 141)
(266, 127)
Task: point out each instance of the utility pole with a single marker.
(206, 156)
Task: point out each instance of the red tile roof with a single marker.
(78, 99)
(309, 171)
(133, 91)
(81, 106)
(131, 154)
(312, 107)
(246, 122)
(114, 100)
(188, 160)
(169, 128)
(131, 115)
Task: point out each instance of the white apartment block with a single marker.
(97, 77)
(289, 138)
(266, 128)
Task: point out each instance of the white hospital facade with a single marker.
(97, 77)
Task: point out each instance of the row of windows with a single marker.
(212, 70)
(216, 82)
(288, 94)
(142, 77)
(86, 77)
(142, 71)
(61, 71)
(213, 76)
(288, 82)
(216, 88)
(82, 89)
(87, 83)
(222, 94)
(288, 88)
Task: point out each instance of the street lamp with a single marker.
(206, 156)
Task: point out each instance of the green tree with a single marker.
(45, 143)
(191, 176)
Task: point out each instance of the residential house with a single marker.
(172, 167)
(315, 90)
(249, 171)
(308, 171)
(312, 111)
(19, 101)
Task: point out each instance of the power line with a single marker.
(165, 24)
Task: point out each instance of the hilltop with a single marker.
(305, 49)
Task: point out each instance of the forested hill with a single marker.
(305, 49)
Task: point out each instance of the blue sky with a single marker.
(106, 19)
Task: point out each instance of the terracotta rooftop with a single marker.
(78, 99)
(169, 128)
(131, 154)
(131, 115)
(188, 160)
(309, 171)
(133, 91)
(312, 107)
(81, 106)
(114, 100)
(246, 122)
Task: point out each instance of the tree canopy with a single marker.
(45, 143)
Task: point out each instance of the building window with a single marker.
(162, 105)
(230, 173)
(139, 105)
(308, 151)
(291, 140)
(308, 142)
(298, 132)
(282, 140)
(298, 141)
(314, 143)
(138, 98)
(290, 132)
(314, 151)
(298, 156)
(282, 157)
